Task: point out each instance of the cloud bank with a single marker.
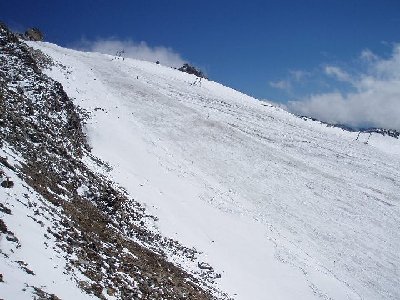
(373, 102)
(165, 55)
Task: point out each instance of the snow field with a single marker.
(283, 208)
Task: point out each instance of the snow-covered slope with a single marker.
(65, 229)
(281, 207)
(25, 272)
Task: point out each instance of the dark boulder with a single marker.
(34, 34)
(7, 184)
(192, 70)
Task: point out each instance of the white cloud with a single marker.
(141, 50)
(368, 55)
(298, 75)
(337, 73)
(275, 103)
(295, 77)
(281, 84)
(374, 102)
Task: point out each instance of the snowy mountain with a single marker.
(134, 180)
(67, 231)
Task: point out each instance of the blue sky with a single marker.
(277, 50)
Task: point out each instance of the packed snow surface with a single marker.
(281, 207)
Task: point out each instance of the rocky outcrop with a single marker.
(34, 34)
(192, 70)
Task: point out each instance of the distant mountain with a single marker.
(389, 132)
(124, 179)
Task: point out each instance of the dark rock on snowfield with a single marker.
(34, 34)
(192, 70)
(8, 184)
